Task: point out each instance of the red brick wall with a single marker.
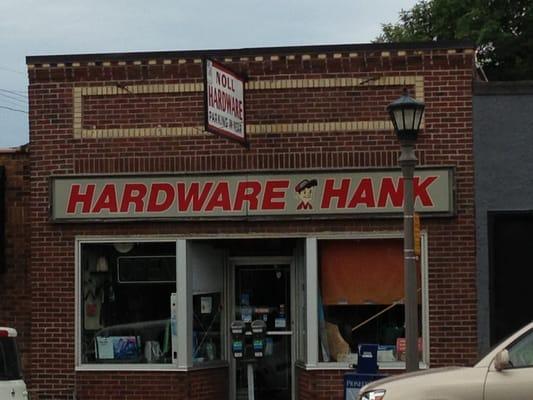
(446, 140)
(107, 385)
(320, 384)
(202, 384)
(14, 283)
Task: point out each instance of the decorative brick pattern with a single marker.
(352, 83)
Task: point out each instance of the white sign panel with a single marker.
(224, 102)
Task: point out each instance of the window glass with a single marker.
(521, 353)
(360, 299)
(125, 302)
(207, 263)
(9, 360)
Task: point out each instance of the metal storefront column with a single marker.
(311, 298)
(184, 306)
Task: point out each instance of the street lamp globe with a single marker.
(406, 116)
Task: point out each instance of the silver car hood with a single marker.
(407, 377)
(450, 383)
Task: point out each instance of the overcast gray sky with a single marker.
(37, 27)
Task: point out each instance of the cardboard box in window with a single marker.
(117, 348)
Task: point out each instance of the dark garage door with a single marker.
(511, 272)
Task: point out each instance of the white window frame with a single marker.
(312, 286)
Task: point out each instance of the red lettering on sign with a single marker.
(220, 198)
(389, 190)
(420, 190)
(210, 96)
(247, 191)
(225, 102)
(167, 190)
(193, 195)
(75, 197)
(364, 194)
(218, 99)
(107, 199)
(134, 193)
(274, 191)
(346, 193)
(330, 192)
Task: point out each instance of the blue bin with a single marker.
(367, 359)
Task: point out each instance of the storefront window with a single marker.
(125, 302)
(360, 300)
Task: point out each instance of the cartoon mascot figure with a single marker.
(304, 193)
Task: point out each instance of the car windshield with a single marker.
(9, 360)
(482, 356)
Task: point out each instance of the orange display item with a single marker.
(361, 271)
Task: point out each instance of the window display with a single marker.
(125, 304)
(207, 263)
(207, 308)
(360, 299)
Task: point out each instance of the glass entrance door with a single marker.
(263, 291)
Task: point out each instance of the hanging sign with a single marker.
(224, 102)
(298, 194)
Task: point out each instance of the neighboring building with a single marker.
(150, 236)
(14, 240)
(503, 131)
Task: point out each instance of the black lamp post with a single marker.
(406, 115)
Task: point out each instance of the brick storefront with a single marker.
(308, 108)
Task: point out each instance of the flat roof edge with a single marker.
(454, 44)
(503, 88)
(15, 149)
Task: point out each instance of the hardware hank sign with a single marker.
(218, 196)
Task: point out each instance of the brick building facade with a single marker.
(309, 110)
(14, 271)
